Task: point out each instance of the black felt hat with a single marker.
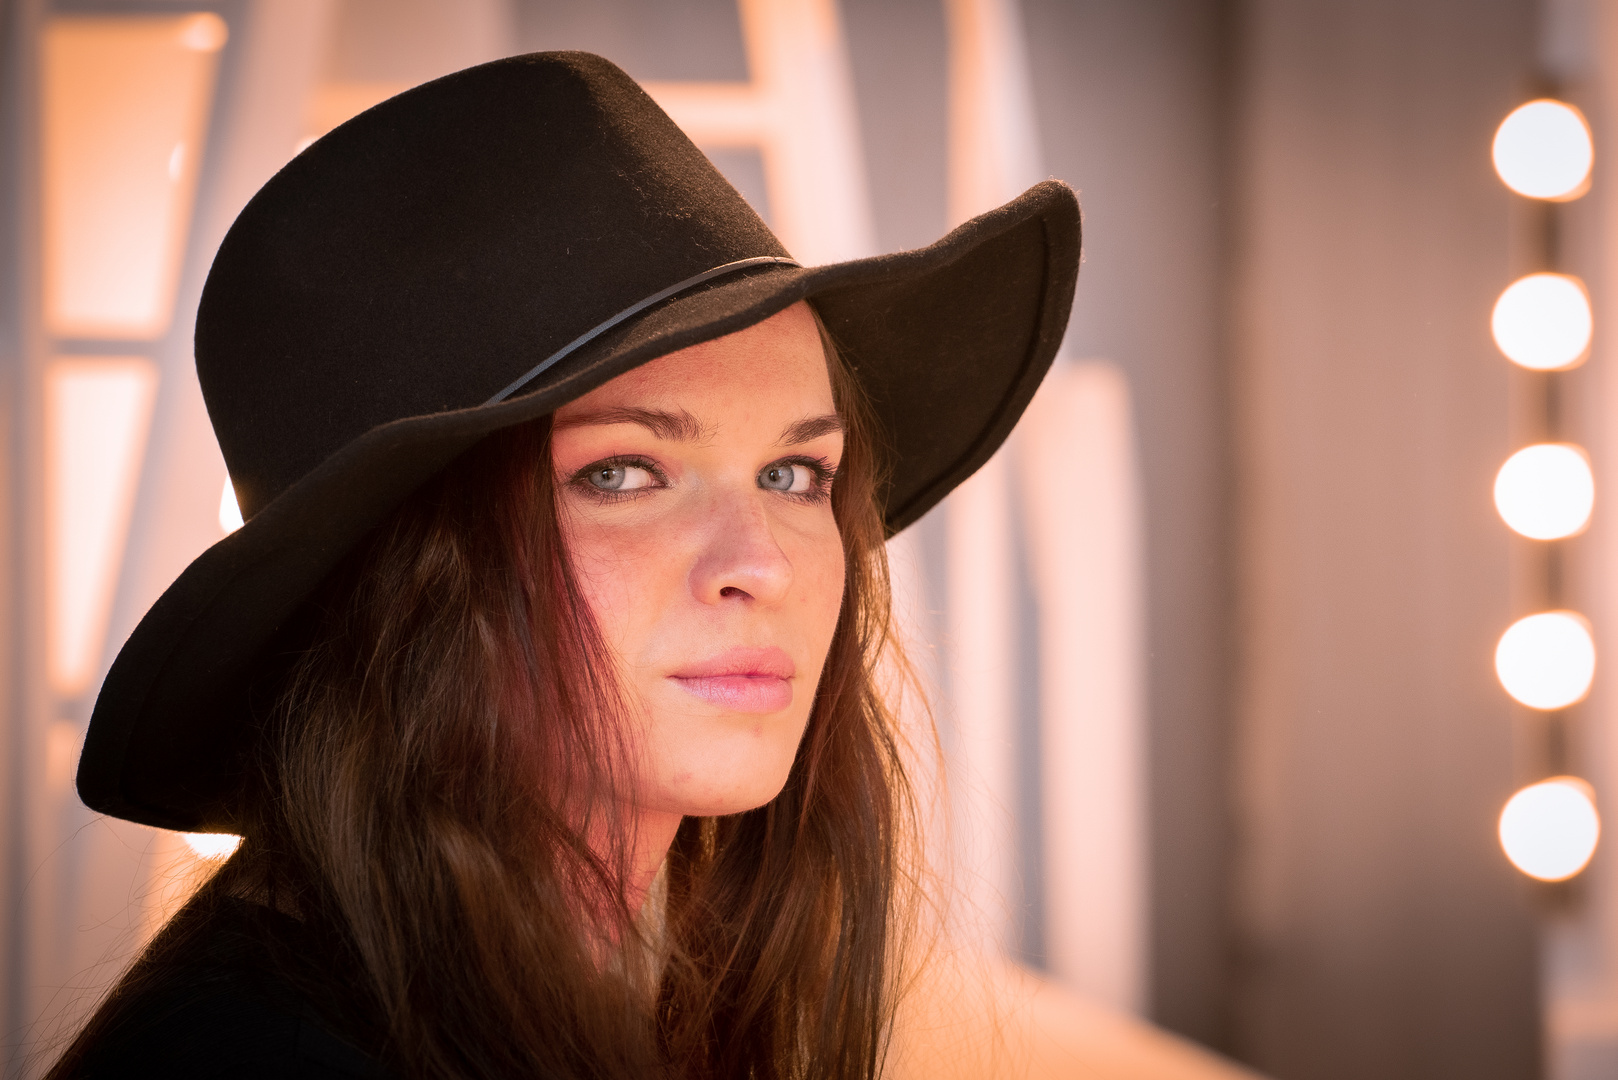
(473, 254)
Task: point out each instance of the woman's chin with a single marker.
(726, 808)
(711, 758)
(724, 796)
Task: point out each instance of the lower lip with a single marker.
(741, 693)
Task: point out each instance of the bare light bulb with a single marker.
(215, 846)
(1546, 491)
(1543, 322)
(1546, 661)
(1543, 150)
(1550, 829)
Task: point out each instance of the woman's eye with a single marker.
(796, 479)
(618, 476)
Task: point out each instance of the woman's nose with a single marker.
(740, 559)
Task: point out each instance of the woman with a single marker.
(540, 680)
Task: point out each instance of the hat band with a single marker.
(633, 309)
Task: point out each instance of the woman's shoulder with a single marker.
(217, 1001)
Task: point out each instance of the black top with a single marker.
(219, 999)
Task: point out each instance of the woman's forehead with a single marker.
(777, 362)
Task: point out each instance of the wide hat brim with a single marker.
(949, 343)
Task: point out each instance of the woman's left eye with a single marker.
(793, 478)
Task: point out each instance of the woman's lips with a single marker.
(741, 680)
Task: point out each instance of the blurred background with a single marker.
(1264, 656)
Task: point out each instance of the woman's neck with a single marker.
(653, 834)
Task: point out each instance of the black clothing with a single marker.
(213, 999)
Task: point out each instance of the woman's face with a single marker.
(695, 497)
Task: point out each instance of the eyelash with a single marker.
(824, 476)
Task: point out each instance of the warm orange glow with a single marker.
(63, 739)
(97, 410)
(230, 514)
(212, 845)
(1550, 829)
(1543, 322)
(204, 33)
(1543, 150)
(1547, 661)
(126, 101)
(1546, 491)
(335, 103)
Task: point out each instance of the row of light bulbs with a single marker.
(1546, 492)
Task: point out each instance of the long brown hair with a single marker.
(449, 741)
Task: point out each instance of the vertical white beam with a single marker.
(993, 157)
(97, 413)
(813, 167)
(1080, 490)
(993, 140)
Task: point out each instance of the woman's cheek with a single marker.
(828, 572)
(609, 563)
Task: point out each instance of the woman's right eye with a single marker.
(618, 476)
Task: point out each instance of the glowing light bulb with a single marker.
(216, 846)
(205, 32)
(1546, 661)
(1543, 321)
(1543, 150)
(1550, 829)
(230, 514)
(1546, 491)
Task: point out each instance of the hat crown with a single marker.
(423, 255)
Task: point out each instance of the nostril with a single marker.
(731, 590)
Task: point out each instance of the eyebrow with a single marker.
(809, 429)
(674, 426)
(683, 427)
